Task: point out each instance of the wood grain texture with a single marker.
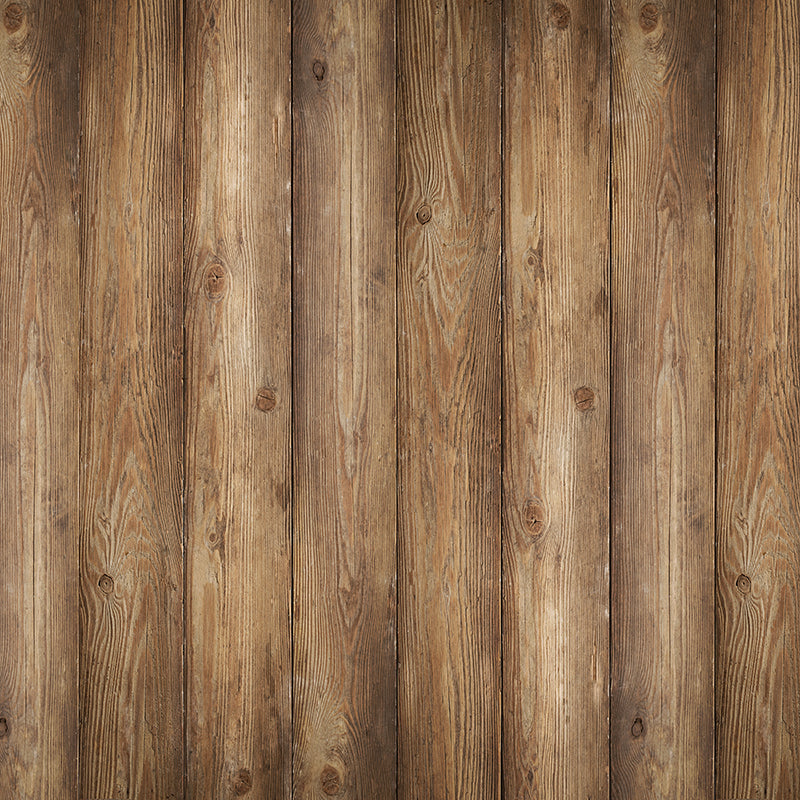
(344, 399)
(449, 223)
(555, 401)
(238, 398)
(39, 398)
(131, 549)
(758, 455)
(662, 299)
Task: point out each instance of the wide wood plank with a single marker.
(555, 401)
(449, 223)
(132, 418)
(662, 300)
(238, 398)
(344, 399)
(39, 398)
(758, 456)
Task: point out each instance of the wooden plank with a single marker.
(662, 300)
(449, 197)
(39, 398)
(131, 550)
(555, 400)
(758, 456)
(344, 399)
(238, 398)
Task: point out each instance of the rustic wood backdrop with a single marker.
(400, 399)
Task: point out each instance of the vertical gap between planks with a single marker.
(397, 580)
(611, 376)
(184, 525)
(502, 383)
(716, 385)
(290, 621)
(81, 386)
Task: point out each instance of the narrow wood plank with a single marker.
(758, 456)
(449, 211)
(344, 399)
(238, 398)
(39, 398)
(662, 299)
(555, 401)
(132, 418)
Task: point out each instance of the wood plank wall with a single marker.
(399, 399)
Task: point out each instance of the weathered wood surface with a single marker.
(662, 385)
(555, 406)
(449, 223)
(758, 357)
(131, 553)
(39, 399)
(344, 399)
(238, 398)
(407, 305)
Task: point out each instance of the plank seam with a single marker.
(611, 394)
(503, 39)
(716, 384)
(184, 537)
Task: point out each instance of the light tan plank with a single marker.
(131, 555)
(238, 398)
(556, 410)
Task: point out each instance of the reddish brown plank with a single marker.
(662, 480)
(449, 222)
(238, 398)
(131, 552)
(39, 398)
(555, 401)
(344, 399)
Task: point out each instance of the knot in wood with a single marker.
(243, 782)
(584, 398)
(560, 15)
(13, 17)
(215, 282)
(106, 584)
(743, 584)
(4, 730)
(330, 780)
(648, 17)
(266, 399)
(318, 68)
(424, 214)
(533, 517)
(637, 729)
